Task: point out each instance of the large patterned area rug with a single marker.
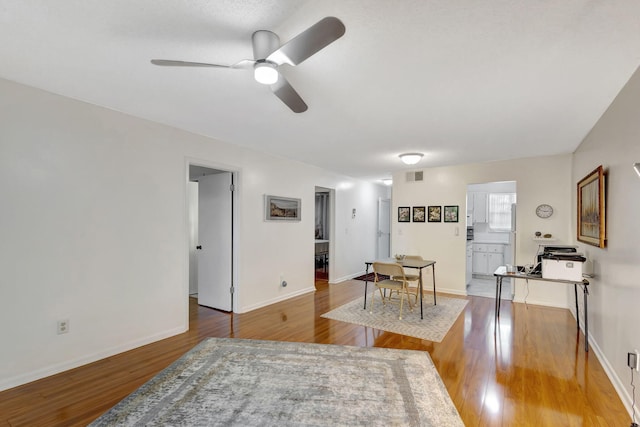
(235, 382)
(435, 325)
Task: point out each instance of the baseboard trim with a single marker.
(276, 299)
(57, 368)
(618, 384)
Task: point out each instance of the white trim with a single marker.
(75, 363)
(617, 383)
(277, 299)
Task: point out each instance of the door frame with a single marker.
(235, 215)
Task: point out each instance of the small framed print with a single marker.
(404, 214)
(278, 208)
(418, 214)
(435, 213)
(451, 214)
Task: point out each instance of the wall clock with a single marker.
(544, 211)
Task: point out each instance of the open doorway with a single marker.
(491, 236)
(322, 232)
(211, 236)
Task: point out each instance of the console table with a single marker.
(501, 273)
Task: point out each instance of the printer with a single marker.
(561, 263)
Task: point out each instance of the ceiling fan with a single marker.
(269, 55)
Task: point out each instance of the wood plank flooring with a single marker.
(533, 371)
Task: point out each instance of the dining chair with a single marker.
(411, 278)
(396, 282)
(414, 278)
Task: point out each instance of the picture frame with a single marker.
(435, 213)
(404, 214)
(591, 209)
(451, 213)
(278, 208)
(418, 214)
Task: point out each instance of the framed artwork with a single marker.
(278, 208)
(435, 213)
(418, 214)
(404, 214)
(591, 209)
(451, 214)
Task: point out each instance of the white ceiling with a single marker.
(459, 80)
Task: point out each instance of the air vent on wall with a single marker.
(415, 176)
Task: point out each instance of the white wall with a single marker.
(614, 143)
(538, 180)
(94, 229)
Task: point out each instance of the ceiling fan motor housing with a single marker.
(264, 43)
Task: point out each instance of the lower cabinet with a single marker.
(469, 265)
(487, 257)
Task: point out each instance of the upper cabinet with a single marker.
(479, 207)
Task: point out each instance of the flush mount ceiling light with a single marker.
(636, 166)
(411, 158)
(387, 181)
(265, 72)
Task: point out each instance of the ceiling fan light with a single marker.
(265, 73)
(411, 158)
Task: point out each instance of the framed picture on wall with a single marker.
(404, 214)
(418, 214)
(435, 213)
(281, 208)
(591, 209)
(451, 214)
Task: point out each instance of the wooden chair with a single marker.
(396, 282)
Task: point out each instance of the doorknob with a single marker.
(199, 247)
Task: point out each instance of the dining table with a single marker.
(410, 263)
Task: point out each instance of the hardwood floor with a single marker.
(533, 371)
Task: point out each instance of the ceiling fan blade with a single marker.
(244, 64)
(171, 63)
(287, 94)
(308, 42)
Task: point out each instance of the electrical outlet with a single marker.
(63, 326)
(633, 360)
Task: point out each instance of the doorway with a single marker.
(491, 236)
(322, 232)
(211, 236)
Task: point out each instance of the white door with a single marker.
(384, 228)
(192, 194)
(215, 241)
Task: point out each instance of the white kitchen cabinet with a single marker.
(469, 265)
(487, 257)
(479, 263)
(494, 260)
(480, 207)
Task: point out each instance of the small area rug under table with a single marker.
(437, 320)
(237, 382)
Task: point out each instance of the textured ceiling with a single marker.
(459, 80)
